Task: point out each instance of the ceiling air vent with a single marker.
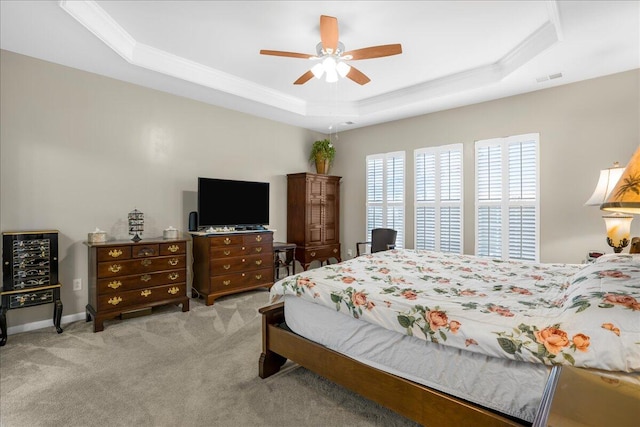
(549, 77)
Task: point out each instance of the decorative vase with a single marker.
(322, 165)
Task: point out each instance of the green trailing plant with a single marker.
(323, 148)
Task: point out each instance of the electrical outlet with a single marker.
(77, 284)
(350, 252)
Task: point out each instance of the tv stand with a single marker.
(230, 262)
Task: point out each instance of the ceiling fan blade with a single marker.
(373, 52)
(287, 54)
(304, 78)
(357, 76)
(329, 32)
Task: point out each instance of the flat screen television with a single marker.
(232, 203)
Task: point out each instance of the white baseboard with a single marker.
(44, 324)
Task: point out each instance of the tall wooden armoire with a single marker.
(313, 217)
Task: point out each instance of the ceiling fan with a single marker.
(331, 56)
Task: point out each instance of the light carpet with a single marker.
(170, 368)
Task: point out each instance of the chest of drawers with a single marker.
(127, 277)
(228, 263)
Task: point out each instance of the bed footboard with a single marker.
(415, 401)
(270, 362)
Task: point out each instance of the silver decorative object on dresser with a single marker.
(29, 274)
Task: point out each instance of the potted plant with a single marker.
(322, 153)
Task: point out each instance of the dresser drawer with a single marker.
(258, 238)
(234, 251)
(226, 240)
(259, 249)
(121, 300)
(142, 251)
(173, 248)
(226, 252)
(125, 283)
(138, 266)
(114, 253)
(243, 263)
(28, 299)
(321, 252)
(241, 280)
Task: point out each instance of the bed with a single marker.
(447, 338)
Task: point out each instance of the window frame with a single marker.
(438, 203)
(505, 203)
(384, 204)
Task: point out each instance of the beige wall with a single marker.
(584, 127)
(79, 151)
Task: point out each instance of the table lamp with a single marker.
(624, 199)
(618, 224)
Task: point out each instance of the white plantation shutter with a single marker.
(374, 192)
(438, 198)
(385, 193)
(507, 202)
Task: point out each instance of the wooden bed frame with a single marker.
(414, 401)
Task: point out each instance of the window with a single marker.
(507, 201)
(385, 193)
(438, 198)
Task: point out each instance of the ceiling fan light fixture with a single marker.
(318, 70)
(329, 65)
(332, 76)
(343, 69)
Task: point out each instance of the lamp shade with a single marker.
(606, 182)
(625, 196)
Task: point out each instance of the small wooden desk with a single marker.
(289, 262)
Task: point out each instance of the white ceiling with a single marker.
(454, 52)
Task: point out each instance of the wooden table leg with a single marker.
(3, 325)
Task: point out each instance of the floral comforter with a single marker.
(580, 315)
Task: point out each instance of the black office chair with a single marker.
(382, 239)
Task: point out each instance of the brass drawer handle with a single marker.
(226, 266)
(115, 284)
(145, 293)
(173, 290)
(258, 238)
(312, 254)
(227, 241)
(174, 248)
(259, 249)
(173, 276)
(258, 276)
(145, 278)
(115, 253)
(115, 300)
(174, 261)
(335, 250)
(146, 262)
(114, 268)
(226, 282)
(258, 262)
(227, 252)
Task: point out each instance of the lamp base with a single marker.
(617, 249)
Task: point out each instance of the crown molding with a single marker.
(102, 25)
